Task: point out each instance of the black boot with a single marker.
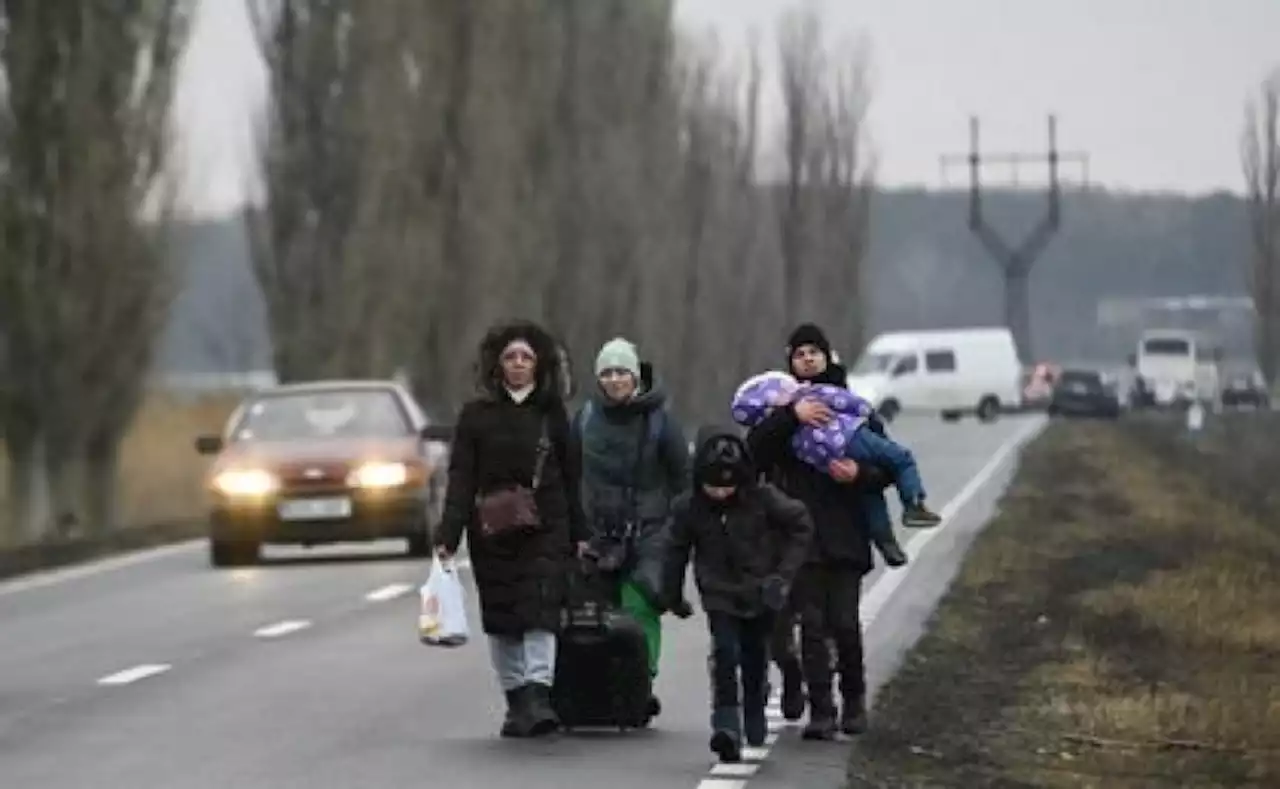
(726, 737)
(515, 724)
(822, 715)
(792, 690)
(653, 708)
(893, 554)
(542, 717)
(853, 716)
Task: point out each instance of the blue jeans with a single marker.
(867, 447)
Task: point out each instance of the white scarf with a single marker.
(521, 394)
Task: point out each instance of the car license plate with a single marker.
(315, 509)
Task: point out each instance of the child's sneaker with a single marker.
(893, 554)
(726, 737)
(918, 516)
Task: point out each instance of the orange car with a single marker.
(322, 462)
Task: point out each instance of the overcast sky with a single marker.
(1153, 90)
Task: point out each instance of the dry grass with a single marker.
(160, 475)
(1117, 625)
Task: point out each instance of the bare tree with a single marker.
(823, 205)
(843, 174)
(725, 250)
(1260, 153)
(327, 246)
(86, 282)
(801, 55)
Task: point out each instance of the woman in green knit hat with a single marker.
(635, 460)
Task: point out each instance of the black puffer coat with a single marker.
(520, 577)
(737, 543)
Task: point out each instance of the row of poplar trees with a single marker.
(429, 167)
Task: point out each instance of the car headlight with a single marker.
(245, 483)
(379, 475)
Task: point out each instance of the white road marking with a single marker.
(739, 770)
(872, 603)
(389, 592)
(282, 628)
(62, 575)
(134, 674)
(879, 594)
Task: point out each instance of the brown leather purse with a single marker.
(514, 509)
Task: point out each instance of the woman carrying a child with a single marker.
(827, 591)
(634, 462)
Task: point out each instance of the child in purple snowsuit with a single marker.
(845, 436)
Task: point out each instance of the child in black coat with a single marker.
(748, 540)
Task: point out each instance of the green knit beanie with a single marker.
(618, 354)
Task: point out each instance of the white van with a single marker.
(1175, 366)
(947, 371)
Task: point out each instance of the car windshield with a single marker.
(318, 415)
(874, 364)
(1166, 346)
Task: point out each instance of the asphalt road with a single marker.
(161, 672)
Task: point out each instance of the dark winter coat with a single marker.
(736, 544)
(634, 462)
(838, 509)
(520, 577)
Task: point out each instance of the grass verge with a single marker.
(161, 495)
(1117, 624)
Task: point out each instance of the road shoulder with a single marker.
(1117, 624)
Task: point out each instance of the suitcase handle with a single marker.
(586, 605)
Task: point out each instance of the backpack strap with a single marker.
(657, 426)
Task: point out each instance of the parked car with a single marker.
(1246, 389)
(1086, 393)
(323, 462)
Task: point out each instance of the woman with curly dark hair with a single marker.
(513, 492)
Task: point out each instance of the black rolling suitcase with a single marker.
(602, 664)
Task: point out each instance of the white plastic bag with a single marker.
(443, 618)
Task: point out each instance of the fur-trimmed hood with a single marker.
(551, 377)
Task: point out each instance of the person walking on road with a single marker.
(512, 490)
(748, 540)
(634, 462)
(827, 591)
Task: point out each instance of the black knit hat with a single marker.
(722, 461)
(808, 334)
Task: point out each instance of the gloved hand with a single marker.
(681, 609)
(774, 592)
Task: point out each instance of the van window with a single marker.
(940, 361)
(907, 365)
(872, 364)
(1166, 346)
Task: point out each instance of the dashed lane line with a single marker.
(282, 628)
(131, 675)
